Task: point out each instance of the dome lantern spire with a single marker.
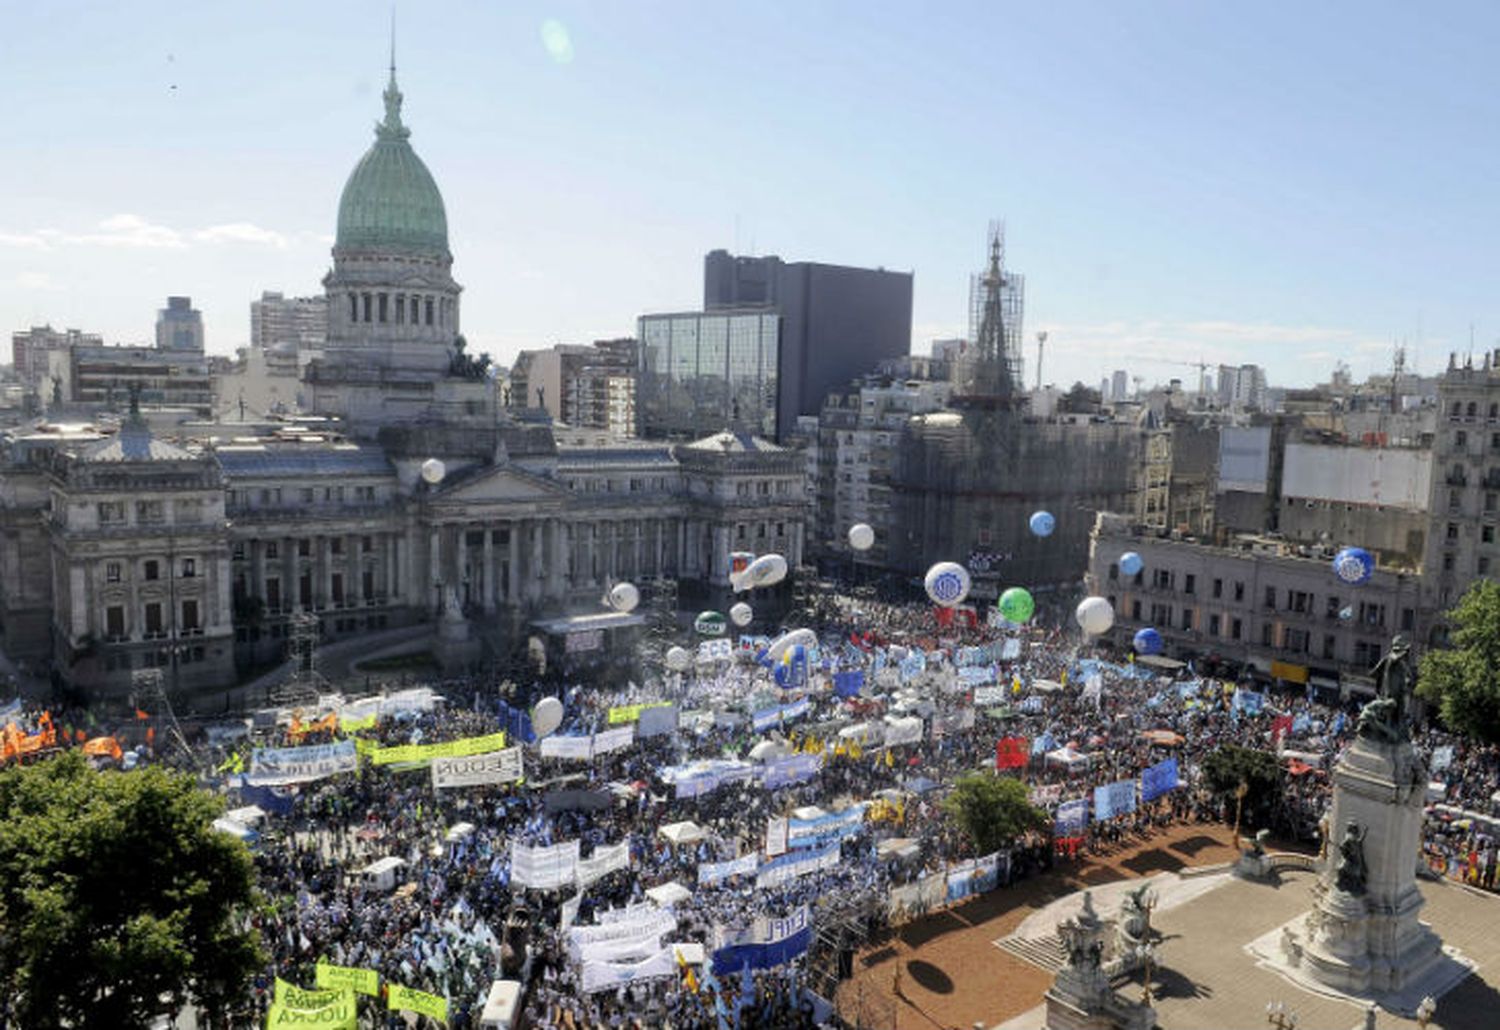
(391, 127)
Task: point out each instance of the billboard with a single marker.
(1388, 476)
(1244, 458)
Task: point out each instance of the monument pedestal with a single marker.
(1363, 935)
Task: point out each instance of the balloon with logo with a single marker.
(709, 624)
(546, 717)
(947, 584)
(623, 597)
(765, 571)
(433, 471)
(861, 536)
(679, 658)
(1094, 615)
(741, 614)
(1130, 563)
(1042, 523)
(792, 638)
(791, 667)
(1017, 605)
(1354, 565)
(1147, 641)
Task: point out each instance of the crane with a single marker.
(1201, 365)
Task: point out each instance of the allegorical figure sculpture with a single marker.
(1350, 871)
(1387, 719)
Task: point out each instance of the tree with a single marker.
(1080, 400)
(121, 902)
(993, 810)
(1464, 680)
(1229, 765)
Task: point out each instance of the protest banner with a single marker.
(1072, 817)
(1011, 753)
(657, 721)
(295, 997)
(775, 941)
(544, 868)
(1112, 799)
(337, 1014)
(630, 713)
(364, 981)
(603, 976)
(279, 766)
(604, 860)
(1158, 779)
(477, 770)
(776, 836)
(409, 999)
(717, 872)
(421, 754)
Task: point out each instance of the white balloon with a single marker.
(742, 614)
(433, 471)
(1095, 615)
(947, 584)
(788, 640)
(861, 536)
(679, 658)
(623, 597)
(764, 571)
(546, 717)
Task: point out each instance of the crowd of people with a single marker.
(453, 918)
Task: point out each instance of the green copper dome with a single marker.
(391, 201)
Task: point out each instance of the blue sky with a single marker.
(1282, 183)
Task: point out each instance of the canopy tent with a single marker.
(1067, 758)
(897, 847)
(920, 785)
(1162, 738)
(668, 894)
(382, 872)
(766, 750)
(1157, 661)
(226, 825)
(501, 1005)
(1046, 686)
(685, 832)
(808, 813)
(458, 832)
(250, 815)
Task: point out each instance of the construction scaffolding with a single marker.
(305, 683)
(148, 693)
(991, 375)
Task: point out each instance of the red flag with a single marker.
(1011, 753)
(944, 616)
(1281, 727)
(141, 715)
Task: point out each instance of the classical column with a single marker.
(325, 555)
(257, 569)
(222, 605)
(796, 555)
(680, 565)
(611, 551)
(512, 566)
(639, 525)
(434, 565)
(291, 582)
(558, 569)
(718, 561)
(536, 564)
(487, 571)
(354, 591)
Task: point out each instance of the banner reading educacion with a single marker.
(280, 766)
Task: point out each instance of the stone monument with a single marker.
(1363, 936)
(454, 643)
(1080, 997)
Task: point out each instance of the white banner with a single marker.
(580, 749)
(614, 740)
(903, 731)
(639, 922)
(604, 860)
(544, 868)
(477, 770)
(603, 976)
(776, 836)
(279, 766)
(789, 867)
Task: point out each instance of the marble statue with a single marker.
(1350, 871)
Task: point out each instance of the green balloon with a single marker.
(1016, 605)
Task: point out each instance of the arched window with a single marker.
(1472, 408)
(368, 305)
(382, 307)
(429, 310)
(400, 309)
(353, 307)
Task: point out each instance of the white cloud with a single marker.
(123, 230)
(34, 281)
(241, 232)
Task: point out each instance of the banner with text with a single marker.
(279, 766)
(477, 770)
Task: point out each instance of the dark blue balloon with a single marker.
(1147, 641)
(1354, 565)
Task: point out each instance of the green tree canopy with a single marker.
(993, 810)
(1229, 765)
(1464, 680)
(120, 901)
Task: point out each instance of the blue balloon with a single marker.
(1354, 565)
(1147, 641)
(1130, 563)
(1042, 523)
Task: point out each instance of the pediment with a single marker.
(502, 484)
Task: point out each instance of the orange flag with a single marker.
(104, 747)
(141, 715)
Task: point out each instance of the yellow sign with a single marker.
(1289, 672)
(337, 1014)
(630, 713)
(365, 981)
(296, 997)
(410, 753)
(407, 999)
(351, 725)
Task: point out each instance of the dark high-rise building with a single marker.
(837, 323)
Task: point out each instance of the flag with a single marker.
(890, 759)
(688, 977)
(141, 715)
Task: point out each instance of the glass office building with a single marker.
(704, 371)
